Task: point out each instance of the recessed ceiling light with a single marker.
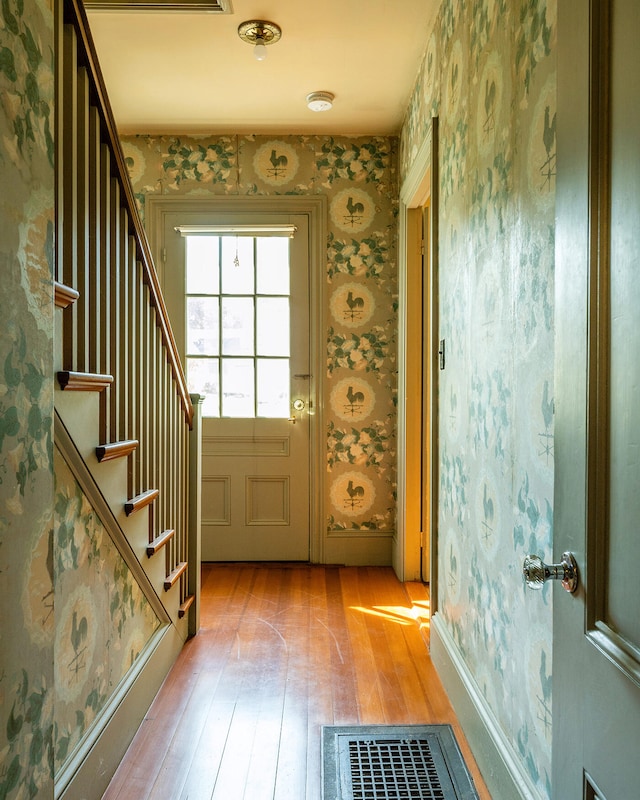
(320, 101)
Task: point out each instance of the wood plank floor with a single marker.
(283, 650)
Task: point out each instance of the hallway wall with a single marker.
(489, 74)
(359, 178)
(26, 400)
(103, 618)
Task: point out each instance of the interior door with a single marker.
(238, 297)
(596, 672)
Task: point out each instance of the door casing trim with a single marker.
(419, 186)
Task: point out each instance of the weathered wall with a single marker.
(103, 619)
(26, 400)
(489, 74)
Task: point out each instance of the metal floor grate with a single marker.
(393, 768)
(394, 763)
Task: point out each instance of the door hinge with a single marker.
(164, 255)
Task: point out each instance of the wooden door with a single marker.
(240, 308)
(596, 673)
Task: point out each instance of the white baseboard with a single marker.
(89, 771)
(499, 763)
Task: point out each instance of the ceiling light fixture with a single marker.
(320, 101)
(259, 33)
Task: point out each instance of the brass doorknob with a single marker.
(297, 405)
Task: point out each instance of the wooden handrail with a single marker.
(76, 15)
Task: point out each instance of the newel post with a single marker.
(195, 512)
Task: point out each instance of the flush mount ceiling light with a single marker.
(320, 101)
(259, 33)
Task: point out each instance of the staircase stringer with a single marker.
(130, 536)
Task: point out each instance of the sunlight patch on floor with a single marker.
(418, 613)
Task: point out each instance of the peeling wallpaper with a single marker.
(489, 74)
(26, 400)
(359, 178)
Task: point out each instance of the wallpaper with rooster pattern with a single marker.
(359, 178)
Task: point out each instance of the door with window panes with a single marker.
(246, 349)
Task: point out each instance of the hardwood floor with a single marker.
(283, 650)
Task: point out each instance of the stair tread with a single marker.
(186, 605)
(160, 541)
(64, 296)
(173, 576)
(140, 501)
(83, 381)
(112, 450)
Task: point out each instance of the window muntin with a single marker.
(238, 324)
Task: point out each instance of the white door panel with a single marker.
(256, 463)
(251, 464)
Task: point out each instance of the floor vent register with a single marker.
(390, 762)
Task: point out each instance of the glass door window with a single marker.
(238, 324)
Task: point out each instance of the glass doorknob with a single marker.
(536, 572)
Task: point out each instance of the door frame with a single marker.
(315, 208)
(419, 190)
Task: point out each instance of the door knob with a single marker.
(536, 572)
(297, 405)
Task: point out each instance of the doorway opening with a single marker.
(415, 552)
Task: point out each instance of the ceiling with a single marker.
(183, 72)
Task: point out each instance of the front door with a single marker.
(596, 672)
(238, 298)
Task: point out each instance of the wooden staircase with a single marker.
(115, 340)
(81, 419)
(125, 422)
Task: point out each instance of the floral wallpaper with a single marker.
(103, 620)
(359, 178)
(489, 74)
(26, 400)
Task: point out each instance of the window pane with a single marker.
(272, 326)
(273, 387)
(238, 392)
(203, 378)
(273, 265)
(203, 275)
(203, 333)
(237, 278)
(237, 326)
